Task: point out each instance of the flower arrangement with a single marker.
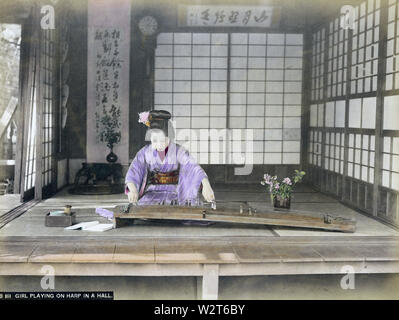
(280, 191)
(144, 117)
(110, 130)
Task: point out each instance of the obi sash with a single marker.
(171, 177)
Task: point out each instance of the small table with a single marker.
(98, 179)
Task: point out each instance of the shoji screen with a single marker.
(337, 59)
(365, 47)
(362, 116)
(390, 163)
(388, 196)
(349, 129)
(237, 81)
(315, 137)
(392, 60)
(30, 157)
(316, 134)
(327, 118)
(39, 170)
(48, 79)
(326, 147)
(334, 138)
(318, 48)
(265, 93)
(191, 83)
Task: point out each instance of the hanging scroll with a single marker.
(108, 80)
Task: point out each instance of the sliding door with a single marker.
(38, 98)
(232, 84)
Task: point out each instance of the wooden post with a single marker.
(306, 97)
(26, 100)
(23, 72)
(39, 107)
(199, 288)
(326, 75)
(382, 52)
(228, 157)
(210, 282)
(345, 192)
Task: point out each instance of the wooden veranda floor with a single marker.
(148, 249)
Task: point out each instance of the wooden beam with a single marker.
(311, 255)
(185, 251)
(135, 252)
(335, 252)
(300, 253)
(93, 253)
(15, 252)
(254, 252)
(53, 253)
(196, 270)
(210, 282)
(307, 268)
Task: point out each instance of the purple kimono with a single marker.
(148, 159)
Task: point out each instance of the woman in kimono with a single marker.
(163, 172)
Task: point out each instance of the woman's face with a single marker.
(158, 140)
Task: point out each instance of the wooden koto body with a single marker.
(245, 215)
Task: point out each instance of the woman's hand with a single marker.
(133, 195)
(207, 191)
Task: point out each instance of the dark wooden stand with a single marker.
(98, 178)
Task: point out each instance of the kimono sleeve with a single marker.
(190, 176)
(137, 171)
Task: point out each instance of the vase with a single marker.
(279, 202)
(112, 157)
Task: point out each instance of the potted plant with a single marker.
(280, 191)
(110, 133)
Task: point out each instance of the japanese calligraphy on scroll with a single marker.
(229, 16)
(108, 67)
(108, 80)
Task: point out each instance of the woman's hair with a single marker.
(168, 130)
